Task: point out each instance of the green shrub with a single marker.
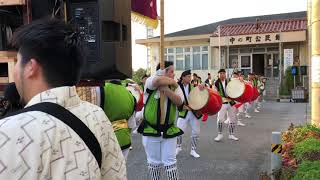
(303, 148)
(308, 170)
(288, 83)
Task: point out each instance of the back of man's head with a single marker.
(56, 46)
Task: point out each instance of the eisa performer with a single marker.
(160, 138)
(187, 117)
(250, 105)
(227, 108)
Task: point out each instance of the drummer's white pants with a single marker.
(125, 153)
(248, 108)
(138, 119)
(241, 108)
(160, 150)
(231, 113)
(193, 123)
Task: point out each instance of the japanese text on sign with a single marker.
(255, 39)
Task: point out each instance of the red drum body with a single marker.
(240, 91)
(207, 101)
(255, 94)
(138, 95)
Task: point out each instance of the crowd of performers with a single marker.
(133, 108)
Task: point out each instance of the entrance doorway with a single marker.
(258, 64)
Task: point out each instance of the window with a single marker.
(233, 51)
(171, 58)
(245, 61)
(259, 50)
(179, 62)
(170, 50)
(196, 49)
(233, 61)
(187, 62)
(222, 63)
(185, 58)
(274, 49)
(245, 50)
(205, 61)
(196, 62)
(179, 50)
(204, 48)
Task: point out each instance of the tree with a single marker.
(138, 74)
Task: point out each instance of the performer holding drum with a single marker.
(236, 76)
(250, 105)
(227, 108)
(188, 117)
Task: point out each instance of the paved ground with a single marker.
(227, 160)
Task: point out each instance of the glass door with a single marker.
(245, 64)
(272, 65)
(269, 65)
(275, 65)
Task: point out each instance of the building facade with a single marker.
(265, 45)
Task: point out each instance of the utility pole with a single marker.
(315, 60)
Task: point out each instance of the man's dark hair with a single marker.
(11, 94)
(145, 76)
(56, 46)
(166, 64)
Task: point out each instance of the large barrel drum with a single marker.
(207, 101)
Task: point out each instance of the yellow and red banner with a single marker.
(145, 12)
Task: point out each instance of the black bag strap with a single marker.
(72, 121)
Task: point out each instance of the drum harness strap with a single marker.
(186, 100)
(222, 92)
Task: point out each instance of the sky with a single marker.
(185, 14)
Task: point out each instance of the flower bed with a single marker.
(301, 153)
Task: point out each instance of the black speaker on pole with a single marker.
(105, 29)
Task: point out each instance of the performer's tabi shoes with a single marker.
(218, 138)
(194, 154)
(178, 150)
(240, 123)
(232, 137)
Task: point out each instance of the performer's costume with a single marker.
(160, 139)
(251, 105)
(188, 118)
(226, 109)
(119, 105)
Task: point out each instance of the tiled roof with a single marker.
(210, 28)
(260, 27)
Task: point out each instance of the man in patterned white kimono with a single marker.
(37, 145)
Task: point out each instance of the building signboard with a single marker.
(250, 39)
(288, 58)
